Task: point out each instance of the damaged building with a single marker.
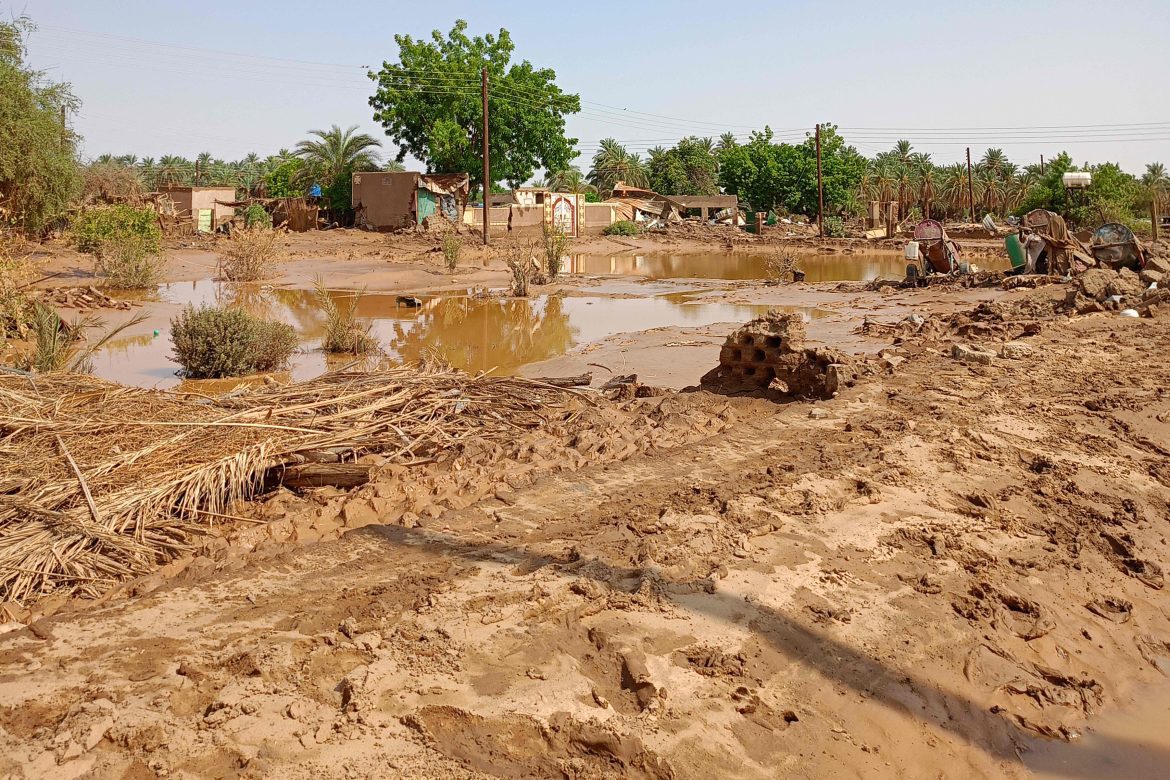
(394, 200)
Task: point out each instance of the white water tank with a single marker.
(1077, 180)
(911, 250)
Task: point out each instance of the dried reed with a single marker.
(100, 483)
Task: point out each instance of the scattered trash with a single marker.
(1129, 313)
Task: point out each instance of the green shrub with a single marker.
(344, 333)
(452, 246)
(257, 216)
(622, 227)
(212, 342)
(834, 227)
(93, 228)
(128, 262)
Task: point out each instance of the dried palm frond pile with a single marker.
(100, 482)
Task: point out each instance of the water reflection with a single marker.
(745, 265)
(470, 332)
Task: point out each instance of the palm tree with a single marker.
(334, 153)
(612, 163)
(393, 165)
(995, 161)
(991, 188)
(953, 181)
(569, 180)
(927, 187)
(727, 141)
(1156, 183)
(172, 171)
(202, 163)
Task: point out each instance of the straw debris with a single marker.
(100, 483)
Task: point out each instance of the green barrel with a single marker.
(1015, 251)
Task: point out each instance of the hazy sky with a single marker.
(1030, 77)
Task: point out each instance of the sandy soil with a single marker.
(948, 570)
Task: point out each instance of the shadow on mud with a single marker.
(914, 696)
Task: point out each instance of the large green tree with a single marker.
(769, 175)
(430, 104)
(690, 168)
(38, 166)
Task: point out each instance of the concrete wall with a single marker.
(190, 200)
(597, 217)
(498, 218)
(527, 219)
(387, 197)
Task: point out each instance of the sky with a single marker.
(1034, 78)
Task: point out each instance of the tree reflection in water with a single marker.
(477, 334)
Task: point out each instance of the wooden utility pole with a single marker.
(487, 176)
(1041, 165)
(1155, 216)
(970, 185)
(64, 130)
(820, 189)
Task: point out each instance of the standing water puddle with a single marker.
(748, 265)
(472, 333)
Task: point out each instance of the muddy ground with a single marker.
(951, 569)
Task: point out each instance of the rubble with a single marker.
(968, 354)
(1103, 289)
(769, 353)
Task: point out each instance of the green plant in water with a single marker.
(555, 243)
(344, 333)
(54, 341)
(452, 246)
(623, 227)
(212, 342)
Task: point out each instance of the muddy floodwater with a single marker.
(748, 265)
(473, 333)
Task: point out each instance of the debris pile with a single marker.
(769, 353)
(100, 483)
(82, 298)
(1103, 289)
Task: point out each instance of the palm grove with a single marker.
(429, 105)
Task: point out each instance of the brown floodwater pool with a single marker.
(473, 333)
(748, 265)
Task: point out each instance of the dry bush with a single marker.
(555, 243)
(128, 262)
(16, 272)
(526, 271)
(110, 182)
(452, 246)
(781, 267)
(343, 331)
(251, 254)
(212, 342)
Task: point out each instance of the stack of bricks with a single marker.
(769, 353)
